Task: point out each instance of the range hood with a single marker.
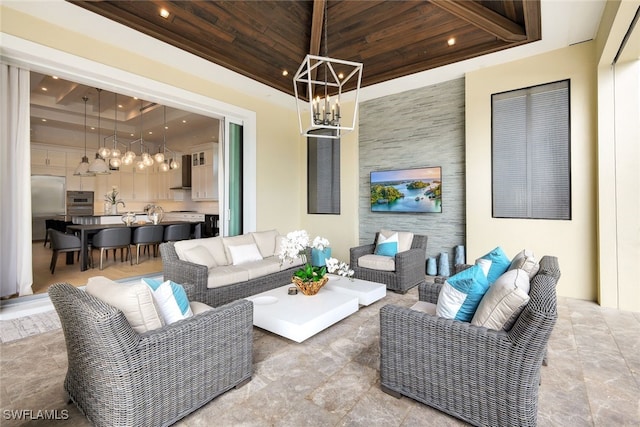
(186, 174)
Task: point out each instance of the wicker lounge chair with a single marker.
(482, 376)
(118, 377)
(409, 265)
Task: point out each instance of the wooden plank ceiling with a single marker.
(261, 39)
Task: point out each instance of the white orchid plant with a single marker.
(340, 268)
(112, 197)
(296, 244)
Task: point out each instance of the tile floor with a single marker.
(593, 377)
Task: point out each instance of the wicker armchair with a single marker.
(482, 376)
(409, 265)
(118, 377)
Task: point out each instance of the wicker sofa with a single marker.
(408, 270)
(482, 376)
(211, 283)
(119, 377)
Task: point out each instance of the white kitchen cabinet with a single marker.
(80, 183)
(204, 173)
(45, 161)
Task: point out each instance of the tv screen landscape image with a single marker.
(407, 190)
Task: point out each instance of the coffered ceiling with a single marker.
(267, 40)
(57, 118)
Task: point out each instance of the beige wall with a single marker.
(574, 242)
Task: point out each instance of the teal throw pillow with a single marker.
(387, 246)
(499, 264)
(171, 299)
(461, 294)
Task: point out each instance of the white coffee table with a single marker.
(299, 316)
(367, 292)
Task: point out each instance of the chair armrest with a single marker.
(429, 292)
(358, 251)
(223, 335)
(410, 265)
(435, 338)
(183, 272)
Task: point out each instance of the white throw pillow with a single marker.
(405, 239)
(134, 300)
(504, 300)
(526, 261)
(171, 299)
(242, 254)
(200, 255)
(266, 241)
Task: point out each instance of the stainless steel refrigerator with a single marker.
(47, 202)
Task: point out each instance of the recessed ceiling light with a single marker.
(184, 121)
(341, 75)
(44, 120)
(54, 77)
(285, 73)
(164, 13)
(150, 133)
(44, 89)
(119, 105)
(93, 128)
(451, 41)
(166, 127)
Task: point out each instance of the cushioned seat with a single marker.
(120, 376)
(111, 238)
(147, 235)
(483, 376)
(400, 269)
(61, 242)
(177, 232)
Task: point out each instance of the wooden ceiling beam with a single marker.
(317, 21)
(484, 18)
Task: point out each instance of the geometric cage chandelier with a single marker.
(319, 84)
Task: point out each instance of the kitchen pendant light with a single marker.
(159, 156)
(115, 160)
(83, 167)
(99, 166)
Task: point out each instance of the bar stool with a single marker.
(111, 238)
(145, 236)
(61, 242)
(175, 232)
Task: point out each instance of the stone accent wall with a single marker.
(418, 128)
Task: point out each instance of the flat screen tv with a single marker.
(416, 190)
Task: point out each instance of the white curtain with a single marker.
(16, 275)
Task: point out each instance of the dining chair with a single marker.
(111, 238)
(61, 242)
(175, 232)
(147, 235)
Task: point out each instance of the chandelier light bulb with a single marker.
(159, 157)
(147, 160)
(115, 162)
(140, 165)
(174, 164)
(104, 152)
(115, 153)
(164, 167)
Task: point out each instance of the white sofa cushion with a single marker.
(262, 267)
(377, 262)
(405, 238)
(226, 275)
(526, 261)
(266, 241)
(135, 301)
(504, 301)
(425, 307)
(200, 255)
(214, 245)
(242, 254)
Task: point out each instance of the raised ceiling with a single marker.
(262, 39)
